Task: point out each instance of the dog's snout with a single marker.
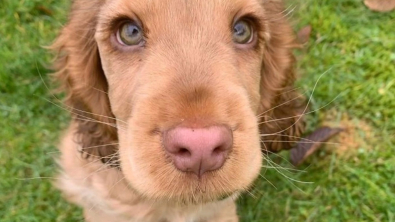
(198, 150)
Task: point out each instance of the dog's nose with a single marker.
(198, 150)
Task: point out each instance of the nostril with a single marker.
(217, 150)
(184, 152)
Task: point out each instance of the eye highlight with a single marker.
(130, 34)
(243, 32)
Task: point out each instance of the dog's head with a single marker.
(184, 87)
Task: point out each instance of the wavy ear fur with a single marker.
(281, 119)
(81, 76)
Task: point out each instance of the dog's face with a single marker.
(183, 64)
(190, 84)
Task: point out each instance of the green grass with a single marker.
(354, 46)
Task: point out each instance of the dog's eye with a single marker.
(242, 32)
(130, 34)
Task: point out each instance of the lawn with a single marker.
(351, 179)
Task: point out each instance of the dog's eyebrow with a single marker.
(253, 9)
(254, 12)
(110, 23)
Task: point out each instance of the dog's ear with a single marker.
(281, 121)
(81, 76)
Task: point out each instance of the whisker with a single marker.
(287, 177)
(69, 108)
(102, 168)
(307, 142)
(277, 166)
(36, 178)
(269, 161)
(251, 194)
(96, 121)
(300, 115)
(296, 137)
(84, 118)
(288, 101)
(285, 168)
(99, 158)
(289, 10)
(267, 181)
(280, 167)
(53, 152)
(91, 147)
(306, 107)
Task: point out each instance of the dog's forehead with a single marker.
(164, 14)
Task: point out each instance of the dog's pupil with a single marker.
(133, 30)
(240, 29)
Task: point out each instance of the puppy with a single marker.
(172, 104)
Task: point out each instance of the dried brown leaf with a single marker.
(304, 34)
(312, 143)
(380, 5)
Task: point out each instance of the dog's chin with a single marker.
(201, 193)
(194, 191)
(199, 197)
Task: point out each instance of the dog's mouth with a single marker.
(189, 174)
(196, 150)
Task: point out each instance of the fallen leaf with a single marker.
(307, 146)
(380, 5)
(304, 34)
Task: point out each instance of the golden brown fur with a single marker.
(188, 73)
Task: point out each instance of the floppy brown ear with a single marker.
(81, 76)
(281, 121)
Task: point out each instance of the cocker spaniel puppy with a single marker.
(174, 104)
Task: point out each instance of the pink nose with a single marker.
(198, 150)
